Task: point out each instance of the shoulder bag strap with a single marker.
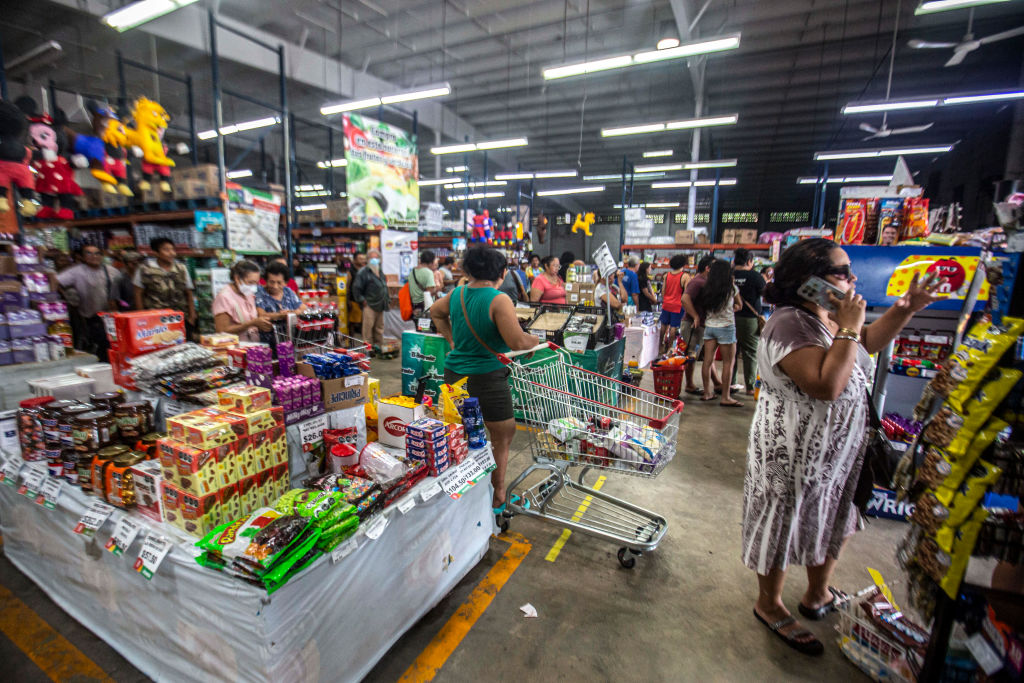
(465, 315)
(747, 304)
(872, 413)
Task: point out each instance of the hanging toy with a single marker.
(542, 228)
(583, 222)
(14, 158)
(105, 149)
(55, 178)
(147, 140)
(519, 231)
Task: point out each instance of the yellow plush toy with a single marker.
(147, 140)
(583, 222)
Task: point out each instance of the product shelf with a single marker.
(121, 220)
(696, 247)
(307, 229)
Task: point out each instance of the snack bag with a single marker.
(452, 396)
(962, 500)
(889, 214)
(915, 217)
(229, 540)
(978, 353)
(274, 541)
(980, 407)
(851, 227)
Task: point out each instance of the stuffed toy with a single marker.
(542, 228)
(147, 139)
(14, 158)
(105, 149)
(583, 222)
(55, 179)
(482, 223)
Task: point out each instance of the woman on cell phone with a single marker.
(807, 438)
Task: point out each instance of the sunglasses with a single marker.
(842, 272)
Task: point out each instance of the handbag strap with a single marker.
(747, 304)
(465, 315)
(872, 413)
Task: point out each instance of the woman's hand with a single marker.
(850, 310)
(263, 324)
(921, 293)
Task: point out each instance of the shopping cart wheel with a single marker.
(502, 521)
(626, 557)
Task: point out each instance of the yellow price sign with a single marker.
(958, 271)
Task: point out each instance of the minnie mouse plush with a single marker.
(14, 156)
(55, 179)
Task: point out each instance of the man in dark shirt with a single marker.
(370, 290)
(751, 286)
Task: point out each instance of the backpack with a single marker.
(405, 301)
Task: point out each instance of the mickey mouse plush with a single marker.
(14, 156)
(55, 179)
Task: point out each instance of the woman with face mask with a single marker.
(234, 307)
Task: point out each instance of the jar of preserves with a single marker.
(49, 418)
(30, 428)
(107, 400)
(147, 444)
(69, 462)
(133, 420)
(118, 482)
(103, 459)
(66, 423)
(93, 430)
(84, 469)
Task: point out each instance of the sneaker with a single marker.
(737, 387)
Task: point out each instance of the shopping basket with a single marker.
(578, 418)
(668, 379)
(880, 657)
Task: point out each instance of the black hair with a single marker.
(157, 242)
(243, 268)
(643, 268)
(797, 263)
(705, 262)
(484, 263)
(546, 261)
(448, 261)
(718, 290)
(567, 257)
(427, 256)
(678, 261)
(275, 267)
(741, 257)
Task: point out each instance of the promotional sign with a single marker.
(381, 175)
(253, 219)
(605, 261)
(398, 253)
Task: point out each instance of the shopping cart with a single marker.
(305, 340)
(878, 656)
(578, 418)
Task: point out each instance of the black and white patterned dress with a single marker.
(804, 454)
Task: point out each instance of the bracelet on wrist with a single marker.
(846, 331)
(847, 337)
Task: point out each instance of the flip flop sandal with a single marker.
(521, 502)
(820, 613)
(809, 647)
(707, 398)
(734, 404)
(695, 392)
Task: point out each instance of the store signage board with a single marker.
(32, 478)
(311, 433)
(604, 260)
(381, 174)
(49, 492)
(399, 253)
(125, 531)
(253, 221)
(154, 550)
(94, 517)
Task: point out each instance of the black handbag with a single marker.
(880, 461)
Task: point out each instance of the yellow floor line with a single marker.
(560, 543)
(451, 634)
(49, 650)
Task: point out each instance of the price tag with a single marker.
(407, 503)
(429, 491)
(376, 527)
(353, 381)
(577, 343)
(9, 472)
(457, 480)
(343, 550)
(125, 532)
(311, 432)
(423, 325)
(93, 518)
(49, 492)
(485, 459)
(154, 550)
(31, 480)
(983, 653)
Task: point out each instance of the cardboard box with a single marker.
(140, 332)
(337, 210)
(200, 513)
(207, 173)
(165, 452)
(170, 505)
(245, 458)
(148, 478)
(340, 393)
(230, 502)
(244, 400)
(729, 236)
(686, 237)
(312, 216)
(202, 471)
(392, 419)
(249, 494)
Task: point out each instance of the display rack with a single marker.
(695, 247)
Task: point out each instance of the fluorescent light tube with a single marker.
(332, 163)
(140, 12)
(660, 205)
(237, 127)
(500, 144)
(310, 207)
(457, 185)
(553, 174)
(658, 153)
(703, 122)
(666, 43)
(241, 173)
(553, 72)
(698, 183)
(316, 193)
(349, 106)
(810, 180)
(456, 169)
(618, 176)
(307, 188)
(871, 153)
(479, 146)
(633, 130)
(658, 167)
(889, 106)
(689, 49)
(991, 97)
(429, 182)
(932, 6)
(417, 95)
(717, 163)
(514, 176)
(570, 190)
(453, 149)
(475, 195)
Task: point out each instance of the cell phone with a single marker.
(816, 291)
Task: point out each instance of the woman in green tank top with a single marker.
(480, 322)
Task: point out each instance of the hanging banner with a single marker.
(398, 253)
(381, 174)
(254, 221)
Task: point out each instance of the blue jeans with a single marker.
(723, 335)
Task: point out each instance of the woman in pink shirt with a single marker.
(234, 307)
(548, 287)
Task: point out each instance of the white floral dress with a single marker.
(804, 454)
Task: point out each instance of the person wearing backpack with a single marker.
(421, 283)
(370, 290)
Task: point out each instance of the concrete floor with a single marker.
(684, 612)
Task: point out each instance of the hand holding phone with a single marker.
(816, 290)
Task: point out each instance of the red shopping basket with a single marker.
(668, 379)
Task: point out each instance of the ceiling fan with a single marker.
(884, 131)
(968, 44)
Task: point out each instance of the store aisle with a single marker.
(684, 612)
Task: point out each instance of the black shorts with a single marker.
(491, 388)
